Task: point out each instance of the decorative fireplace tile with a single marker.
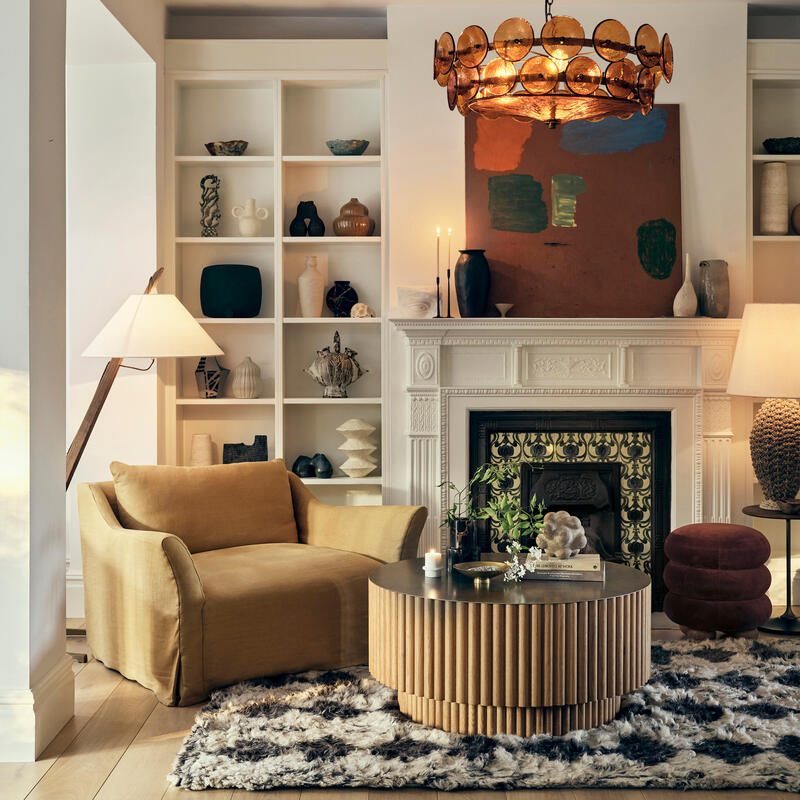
(633, 451)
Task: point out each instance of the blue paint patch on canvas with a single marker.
(613, 135)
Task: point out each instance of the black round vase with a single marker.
(472, 279)
(341, 297)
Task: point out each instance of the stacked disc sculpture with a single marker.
(358, 448)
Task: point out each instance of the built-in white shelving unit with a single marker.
(286, 117)
(774, 112)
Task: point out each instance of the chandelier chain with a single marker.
(548, 10)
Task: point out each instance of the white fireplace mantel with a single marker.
(680, 365)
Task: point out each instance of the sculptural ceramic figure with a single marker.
(361, 311)
(358, 448)
(249, 217)
(334, 369)
(311, 289)
(209, 205)
(238, 452)
(562, 535)
(307, 221)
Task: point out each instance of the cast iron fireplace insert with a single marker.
(610, 468)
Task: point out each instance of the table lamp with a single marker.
(767, 364)
(147, 325)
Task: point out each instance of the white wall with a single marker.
(111, 242)
(36, 680)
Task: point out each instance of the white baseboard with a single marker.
(30, 718)
(75, 607)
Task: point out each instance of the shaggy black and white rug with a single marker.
(722, 714)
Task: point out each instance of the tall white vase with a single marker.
(246, 380)
(685, 302)
(774, 220)
(311, 288)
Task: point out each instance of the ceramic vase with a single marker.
(472, 279)
(322, 467)
(246, 380)
(311, 288)
(353, 220)
(249, 217)
(334, 369)
(209, 205)
(715, 290)
(358, 448)
(303, 467)
(201, 450)
(210, 376)
(685, 302)
(341, 298)
(307, 221)
(774, 219)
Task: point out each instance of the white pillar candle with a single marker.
(433, 564)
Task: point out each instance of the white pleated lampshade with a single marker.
(152, 326)
(767, 358)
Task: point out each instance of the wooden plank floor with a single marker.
(121, 743)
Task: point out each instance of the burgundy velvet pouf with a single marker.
(716, 578)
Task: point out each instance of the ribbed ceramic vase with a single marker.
(774, 219)
(311, 288)
(246, 380)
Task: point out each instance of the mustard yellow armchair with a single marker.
(181, 623)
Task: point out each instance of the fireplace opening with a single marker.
(611, 469)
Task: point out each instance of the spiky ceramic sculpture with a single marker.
(562, 535)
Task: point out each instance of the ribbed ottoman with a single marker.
(717, 579)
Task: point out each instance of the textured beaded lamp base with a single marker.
(469, 720)
(526, 658)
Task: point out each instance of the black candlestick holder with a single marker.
(438, 300)
(449, 316)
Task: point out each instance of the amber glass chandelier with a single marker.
(552, 78)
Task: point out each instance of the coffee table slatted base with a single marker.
(524, 668)
(490, 720)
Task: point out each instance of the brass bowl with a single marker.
(481, 572)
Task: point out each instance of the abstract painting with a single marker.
(580, 221)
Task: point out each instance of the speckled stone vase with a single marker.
(715, 288)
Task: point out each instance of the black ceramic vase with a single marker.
(472, 279)
(322, 467)
(303, 467)
(307, 221)
(341, 298)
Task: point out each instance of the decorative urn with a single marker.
(353, 220)
(334, 369)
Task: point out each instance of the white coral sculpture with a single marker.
(562, 535)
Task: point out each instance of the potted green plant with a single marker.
(459, 517)
(512, 526)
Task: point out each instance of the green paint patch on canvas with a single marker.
(565, 190)
(515, 204)
(657, 247)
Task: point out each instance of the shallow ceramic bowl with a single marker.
(347, 147)
(233, 147)
(790, 506)
(481, 571)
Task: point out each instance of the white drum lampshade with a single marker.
(152, 326)
(767, 364)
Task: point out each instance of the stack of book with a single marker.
(583, 567)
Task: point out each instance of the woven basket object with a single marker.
(775, 448)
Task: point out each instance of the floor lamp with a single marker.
(148, 325)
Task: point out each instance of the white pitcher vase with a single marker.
(249, 217)
(311, 288)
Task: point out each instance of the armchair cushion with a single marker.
(228, 505)
(282, 608)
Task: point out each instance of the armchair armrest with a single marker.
(144, 601)
(386, 533)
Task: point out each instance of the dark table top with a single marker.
(406, 577)
(757, 511)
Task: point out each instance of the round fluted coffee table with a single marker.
(520, 658)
